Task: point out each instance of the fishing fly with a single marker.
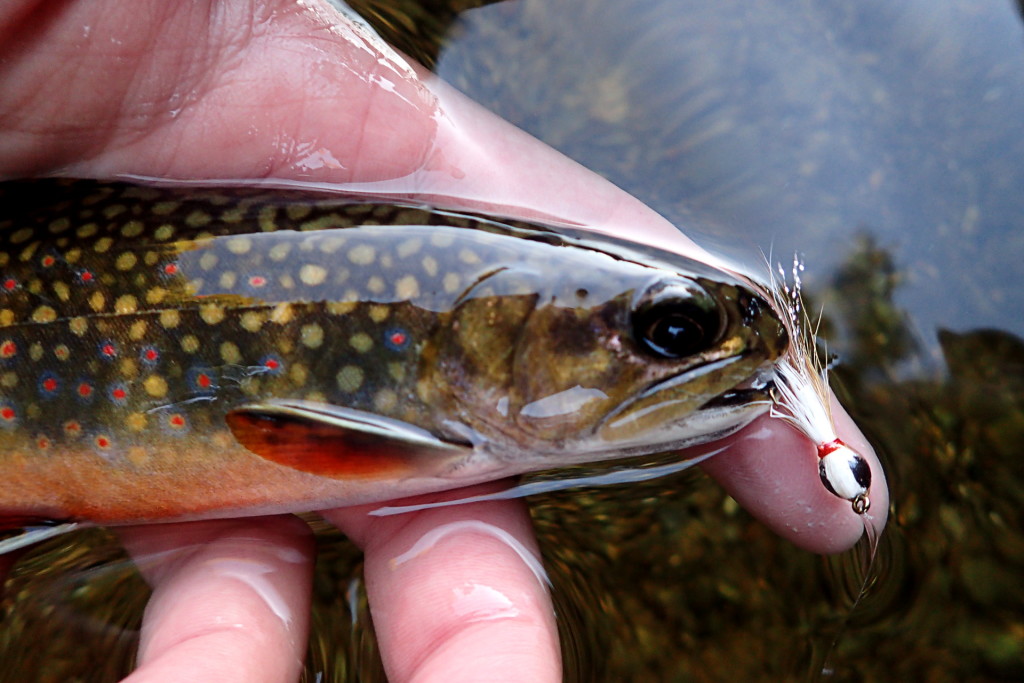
(802, 399)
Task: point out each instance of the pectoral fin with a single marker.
(338, 442)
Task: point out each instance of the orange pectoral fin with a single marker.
(340, 443)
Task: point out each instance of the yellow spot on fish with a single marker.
(375, 284)
(164, 232)
(59, 225)
(126, 261)
(155, 386)
(87, 230)
(379, 313)
(279, 252)
(350, 378)
(267, 219)
(430, 265)
(61, 352)
(6, 317)
(35, 352)
(297, 212)
(155, 295)
(361, 342)
(407, 288)
(78, 325)
(132, 229)
(211, 314)
(114, 210)
(442, 238)
(451, 282)
(228, 279)
(234, 214)
(251, 321)
(469, 256)
(9, 380)
(165, 208)
(298, 374)
(189, 343)
(103, 245)
(340, 307)
(286, 281)
(362, 255)
(197, 219)
(316, 397)
(138, 456)
(126, 304)
(311, 274)
(97, 301)
(19, 236)
(282, 314)
(136, 422)
(62, 290)
(138, 330)
(385, 400)
(169, 319)
(331, 244)
(72, 255)
(129, 368)
(397, 371)
(229, 353)
(239, 245)
(44, 314)
(208, 260)
(312, 335)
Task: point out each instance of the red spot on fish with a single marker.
(86, 276)
(8, 414)
(10, 284)
(150, 355)
(8, 349)
(170, 269)
(176, 421)
(396, 339)
(118, 393)
(257, 281)
(108, 350)
(102, 442)
(43, 443)
(72, 428)
(203, 381)
(50, 384)
(272, 364)
(47, 261)
(84, 390)
(62, 352)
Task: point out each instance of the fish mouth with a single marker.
(716, 418)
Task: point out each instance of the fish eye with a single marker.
(674, 320)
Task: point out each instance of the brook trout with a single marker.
(173, 353)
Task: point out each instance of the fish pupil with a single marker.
(675, 329)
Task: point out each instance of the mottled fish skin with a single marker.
(134, 319)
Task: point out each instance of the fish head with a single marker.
(622, 358)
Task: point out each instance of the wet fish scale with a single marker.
(134, 320)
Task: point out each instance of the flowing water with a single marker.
(883, 141)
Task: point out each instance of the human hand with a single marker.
(292, 91)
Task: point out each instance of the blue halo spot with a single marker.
(397, 339)
(49, 384)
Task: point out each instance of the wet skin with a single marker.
(264, 89)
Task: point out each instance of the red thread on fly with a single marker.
(802, 399)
